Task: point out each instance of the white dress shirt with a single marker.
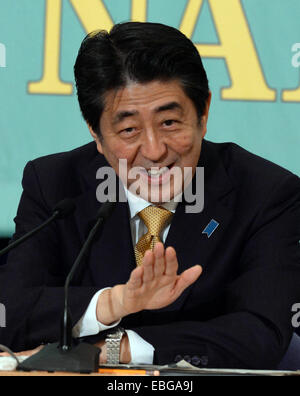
(141, 351)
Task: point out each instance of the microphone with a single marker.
(66, 355)
(61, 210)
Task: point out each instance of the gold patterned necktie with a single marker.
(155, 218)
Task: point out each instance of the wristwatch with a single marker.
(113, 342)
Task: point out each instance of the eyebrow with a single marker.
(119, 117)
(122, 115)
(168, 106)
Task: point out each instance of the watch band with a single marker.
(113, 343)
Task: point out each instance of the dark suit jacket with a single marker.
(237, 314)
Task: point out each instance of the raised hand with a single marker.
(153, 285)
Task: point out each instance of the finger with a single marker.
(148, 262)
(187, 278)
(159, 259)
(136, 278)
(171, 262)
(24, 353)
(30, 353)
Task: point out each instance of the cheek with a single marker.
(120, 150)
(183, 143)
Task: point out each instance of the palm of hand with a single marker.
(156, 283)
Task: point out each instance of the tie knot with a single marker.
(155, 218)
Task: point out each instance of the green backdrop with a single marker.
(247, 51)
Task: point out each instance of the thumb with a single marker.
(188, 277)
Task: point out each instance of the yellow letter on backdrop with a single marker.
(291, 95)
(236, 47)
(236, 44)
(138, 10)
(92, 14)
(50, 82)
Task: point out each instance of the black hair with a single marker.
(138, 52)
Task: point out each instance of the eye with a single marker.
(127, 130)
(169, 123)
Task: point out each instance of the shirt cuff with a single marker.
(88, 325)
(141, 351)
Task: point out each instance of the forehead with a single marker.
(145, 96)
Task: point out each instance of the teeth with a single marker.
(157, 172)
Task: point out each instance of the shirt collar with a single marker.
(137, 204)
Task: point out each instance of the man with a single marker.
(214, 287)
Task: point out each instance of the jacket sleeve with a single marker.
(255, 328)
(32, 280)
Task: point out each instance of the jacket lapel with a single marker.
(112, 256)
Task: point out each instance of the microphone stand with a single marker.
(66, 329)
(30, 234)
(62, 209)
(65, 356)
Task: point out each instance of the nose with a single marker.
(153, 146)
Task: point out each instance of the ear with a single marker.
(205, 116)
(96, 138)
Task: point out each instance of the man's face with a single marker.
(152, 125)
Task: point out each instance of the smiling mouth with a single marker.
(158, 171)
(157, 175)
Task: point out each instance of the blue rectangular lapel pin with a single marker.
(211, 228)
